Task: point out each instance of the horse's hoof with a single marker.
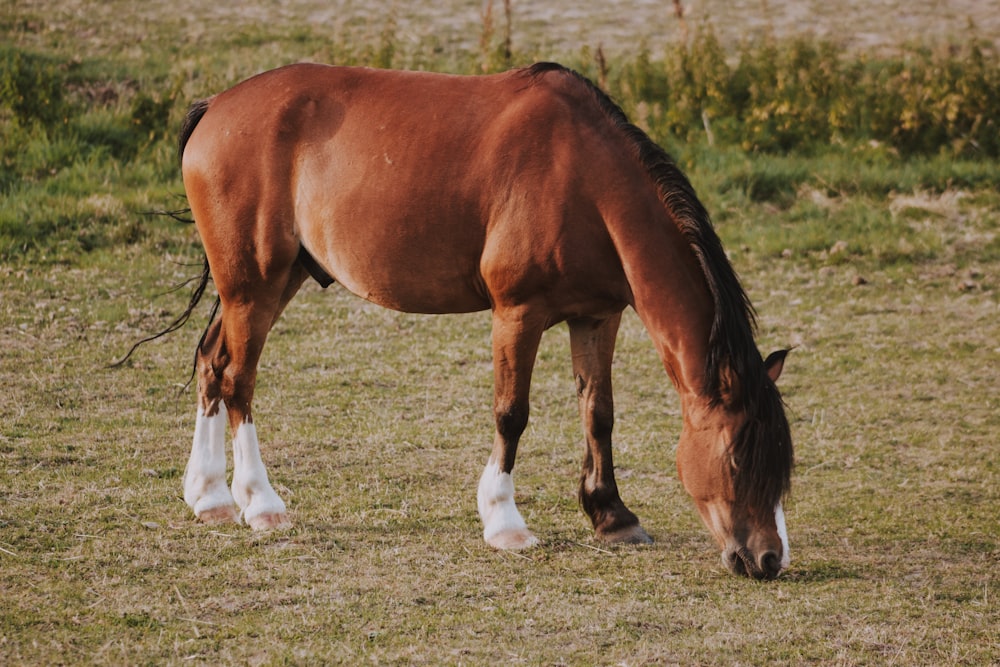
(217, 515)
(512, 540)
(630, 535)
(270, 521)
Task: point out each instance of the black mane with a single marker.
(762, 449)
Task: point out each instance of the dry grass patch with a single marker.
(375, 426)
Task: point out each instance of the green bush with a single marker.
(803, 96)
(759, 121)
(31, 89)
(48, 124)
(60, 145)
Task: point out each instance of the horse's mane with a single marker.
(762, 449)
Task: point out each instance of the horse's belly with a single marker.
(430, 296)
(414, 275)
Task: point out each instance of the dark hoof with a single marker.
(629, 535)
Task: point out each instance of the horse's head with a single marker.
(735, 459)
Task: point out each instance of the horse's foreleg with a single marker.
(592, 343)
(515, 344)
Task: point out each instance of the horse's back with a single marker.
(411, 189)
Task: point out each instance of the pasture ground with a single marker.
(375, 426)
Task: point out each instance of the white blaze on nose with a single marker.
(779, 522)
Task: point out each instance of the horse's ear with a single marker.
(774, 363)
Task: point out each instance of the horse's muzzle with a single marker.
(766, 565)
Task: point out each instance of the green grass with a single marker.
(882, 269)
(91, 107)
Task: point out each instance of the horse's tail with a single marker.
(194, 115)
(191, 120)
(182, 319)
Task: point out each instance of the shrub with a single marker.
(31, 89)
(759, 121)
(803, 96)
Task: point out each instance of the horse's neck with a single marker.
(669, 293)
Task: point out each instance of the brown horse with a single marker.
(527, 193)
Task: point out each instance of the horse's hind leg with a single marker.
(592, 343)
(205, 489)
(227, 367)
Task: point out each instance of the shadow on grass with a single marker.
(821, 572)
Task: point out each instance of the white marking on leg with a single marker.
(261, 507)
(779, 521)
(205, 487)
(503, 526)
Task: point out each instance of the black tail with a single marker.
(191, 120)
(194, 115)
(196, 294)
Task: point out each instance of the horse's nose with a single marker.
(770, 564)
(742, 562)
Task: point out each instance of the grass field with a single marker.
(886, 284)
